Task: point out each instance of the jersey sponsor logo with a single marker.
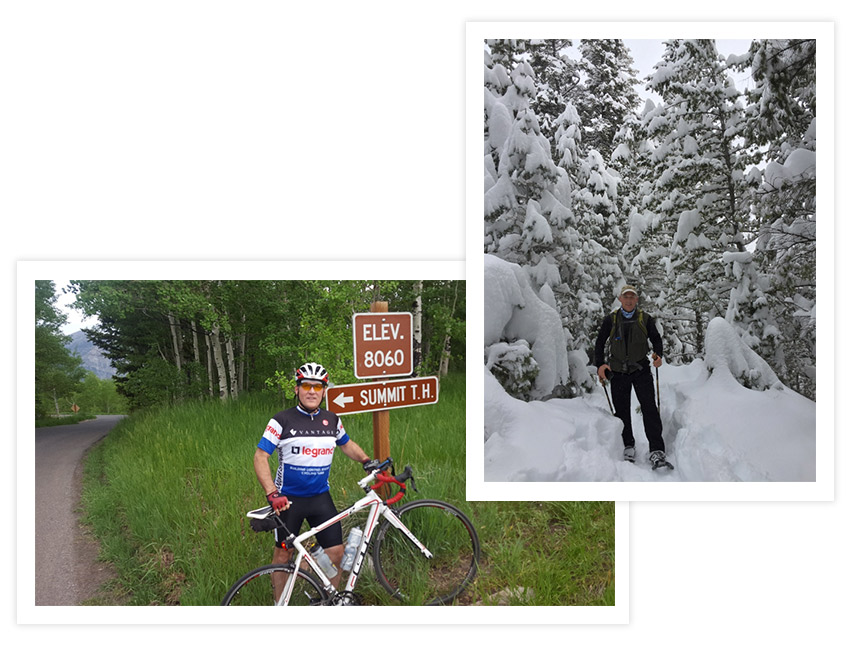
(271, 430)
(295, 433)
(311, 452)
(325, 422)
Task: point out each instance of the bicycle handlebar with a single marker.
(382, 477)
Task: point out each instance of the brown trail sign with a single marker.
(383, 344)
(377, 396)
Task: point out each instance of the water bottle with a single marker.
(353, 542)
(323, 561)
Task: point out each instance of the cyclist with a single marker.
(305, 438)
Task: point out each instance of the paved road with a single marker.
(66, 570)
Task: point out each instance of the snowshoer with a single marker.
(628, 331)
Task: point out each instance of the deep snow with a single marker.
(715, 429)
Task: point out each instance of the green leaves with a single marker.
(174, 340)
(57, 371)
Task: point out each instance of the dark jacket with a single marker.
(629, 346)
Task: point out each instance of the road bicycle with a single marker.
(425, 552)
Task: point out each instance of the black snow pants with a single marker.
(643, 384)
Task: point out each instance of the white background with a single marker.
(260, 131)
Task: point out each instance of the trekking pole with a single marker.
(657, 369)
(608, 374)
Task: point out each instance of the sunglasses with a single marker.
(312, 387)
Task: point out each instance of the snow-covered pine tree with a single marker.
(781, 117)
(556, 76)
(782, 104)
(630, 159)
(607, 95)
(528, 218)
(498, 122)
(697, 189)
(568, 142)
(571, 292)
(529, 173)
(517, 157)
(522, 204)
(595, 205)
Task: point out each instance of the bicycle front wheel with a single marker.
(257, 588)
(407, 574)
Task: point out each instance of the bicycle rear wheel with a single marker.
(256, 588)
(407, 574)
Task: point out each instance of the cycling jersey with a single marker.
(305, 444)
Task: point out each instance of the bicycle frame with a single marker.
(378, 509)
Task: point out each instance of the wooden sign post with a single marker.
(383, 345)
(381, 419)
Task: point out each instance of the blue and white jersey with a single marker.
(305, 444)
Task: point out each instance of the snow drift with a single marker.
(515, 317)
(715, 429)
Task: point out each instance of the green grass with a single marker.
(167, 491)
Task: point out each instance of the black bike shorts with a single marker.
(316, 509)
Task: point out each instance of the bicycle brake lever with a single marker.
(408, 473)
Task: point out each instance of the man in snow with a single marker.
(628, 331)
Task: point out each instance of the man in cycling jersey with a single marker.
(305, 438)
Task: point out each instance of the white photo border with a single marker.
(29, 613)
(820, 490)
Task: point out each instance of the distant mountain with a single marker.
(93, 357)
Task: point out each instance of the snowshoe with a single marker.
(658, 460)
(630, 454)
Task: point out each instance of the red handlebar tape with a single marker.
(384, 478)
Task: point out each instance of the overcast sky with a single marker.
(75, 319)
(647, 53)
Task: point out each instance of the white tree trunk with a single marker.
(216, 345)
(209, 345)
(241, 351)
(445, 353)
(418, 327)
(174, 326)
(445, 357)
(195, 351)
(232, 367)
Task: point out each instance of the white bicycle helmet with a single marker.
(312, 372)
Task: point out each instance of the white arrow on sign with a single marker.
(342, 400)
